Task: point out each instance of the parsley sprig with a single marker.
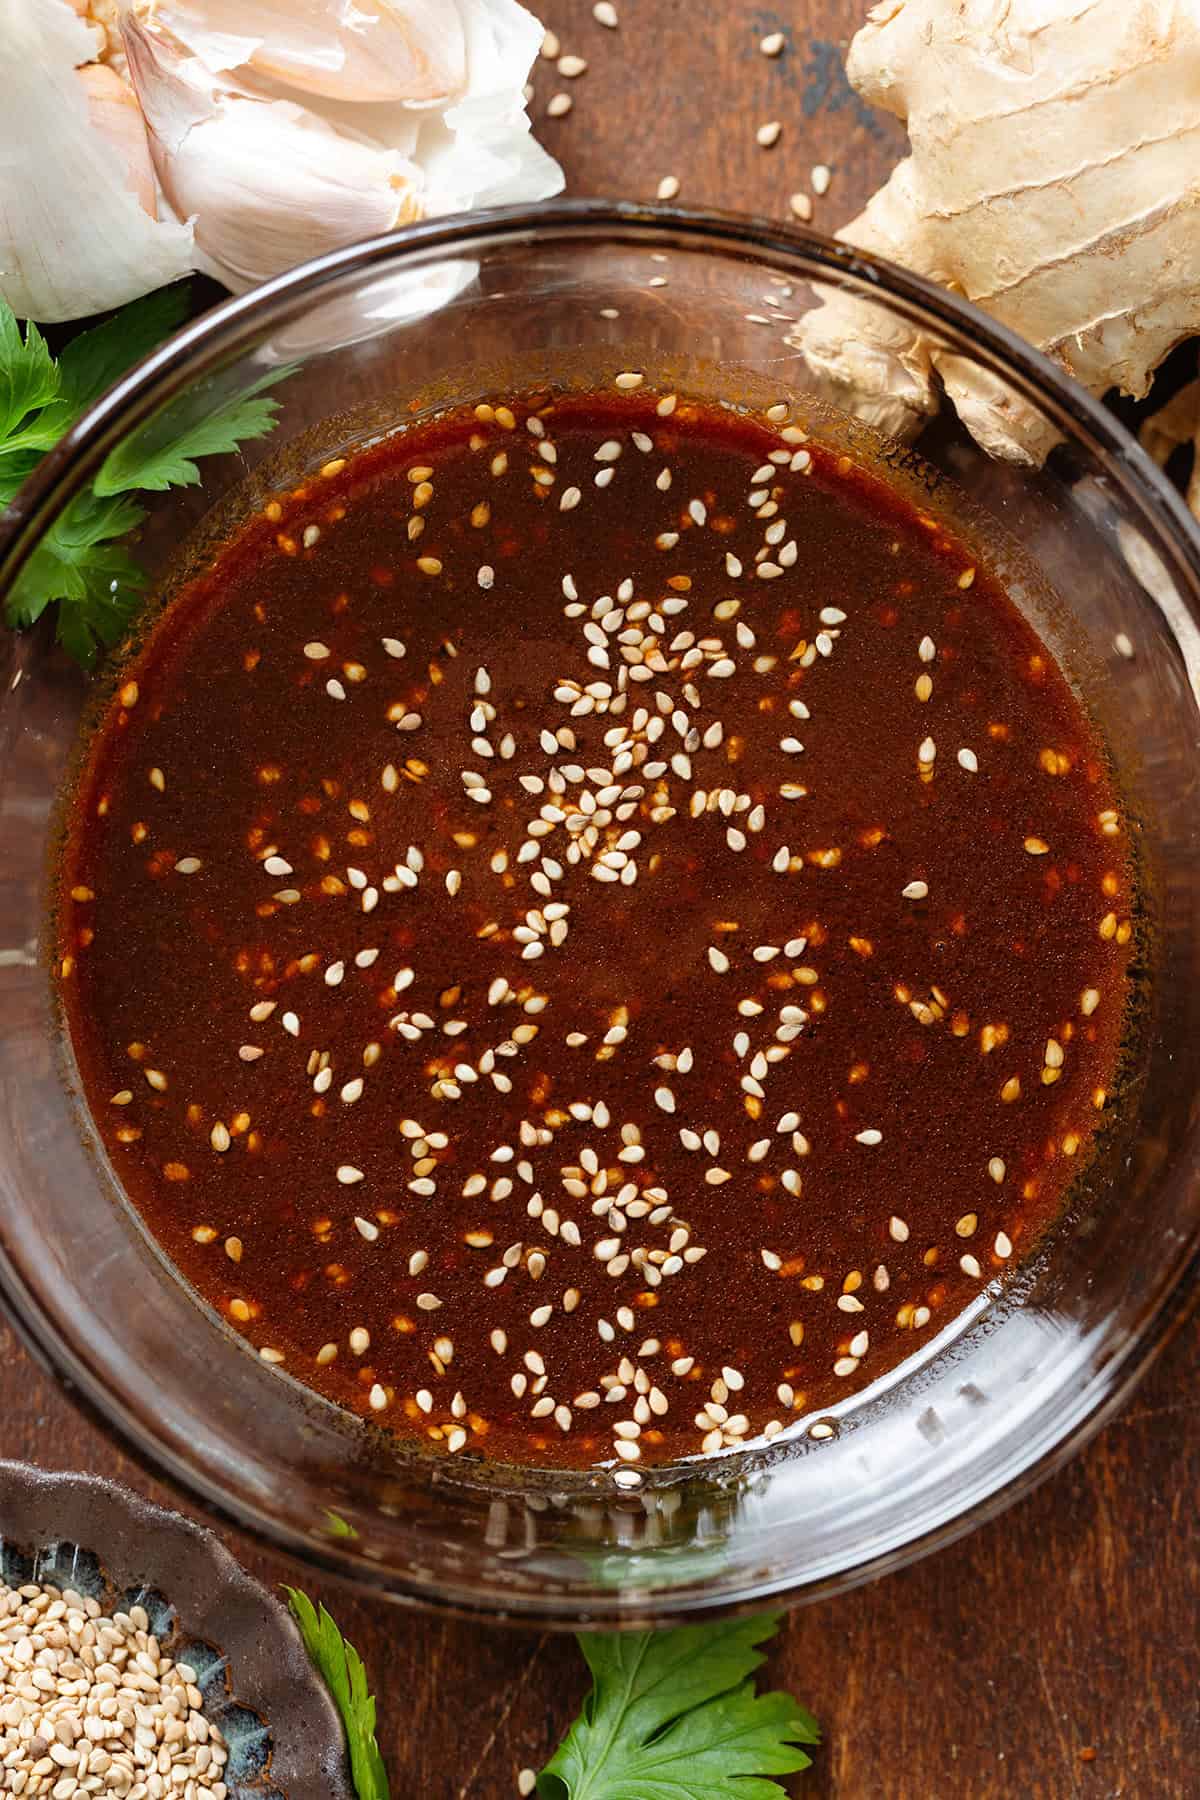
(342, 1667)
(81, 563)
(672, 1715)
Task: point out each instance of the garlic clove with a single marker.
(354, 50)
(267, 183)
(75, 236)
(480, 151)
(117, 117)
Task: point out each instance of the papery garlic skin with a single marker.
(74, 235)
(267, 183)
(103, 16)
(116, 115)
(482, 152)
(362, 51)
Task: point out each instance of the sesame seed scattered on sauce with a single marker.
(592, 930)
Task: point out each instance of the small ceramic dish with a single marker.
(279, 1723)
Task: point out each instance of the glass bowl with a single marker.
(1100, 552)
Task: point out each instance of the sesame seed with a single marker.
(768, 134)
(772, 44)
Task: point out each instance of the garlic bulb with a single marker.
(266, 182)
(76, 235)
(143, 138)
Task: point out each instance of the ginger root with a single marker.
(1054, 179)
(1175, 423)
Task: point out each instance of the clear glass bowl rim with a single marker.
(230, 327)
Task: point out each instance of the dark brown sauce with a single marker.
(538, 1163)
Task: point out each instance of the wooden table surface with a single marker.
(1052, 1653)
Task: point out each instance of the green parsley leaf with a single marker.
(672, 1715)
(342, 1668)
(199, 423)
(92, 361)
(79, 564)
(14, 468)
(29, 389)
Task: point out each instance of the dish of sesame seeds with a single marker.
(92, 1705)
(592, 930)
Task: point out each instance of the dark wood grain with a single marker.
(1052, 1653)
